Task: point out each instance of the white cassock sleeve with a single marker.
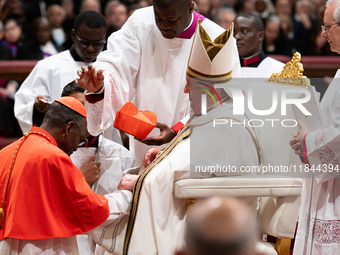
(35, 84)
(48, 78)
(121, 63)
(110, 234)
(323, 152)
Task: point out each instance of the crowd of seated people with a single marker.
(36, 29)
(297, 22)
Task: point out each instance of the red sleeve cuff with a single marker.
(94, 98)
(177, 127)
(304, 158)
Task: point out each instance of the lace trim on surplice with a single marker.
(321, 231)
(324, 152)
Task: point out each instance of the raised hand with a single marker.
(90, 78)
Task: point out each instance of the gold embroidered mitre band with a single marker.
(209, 60)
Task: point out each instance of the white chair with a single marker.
(278, 202)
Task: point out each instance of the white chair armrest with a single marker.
(243, 186)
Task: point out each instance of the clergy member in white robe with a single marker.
(319, 221)
(113, 159)
(51, 75)
(143, 66)
(48, 78)
(249, 35)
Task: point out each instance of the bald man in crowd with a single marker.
(220, 226)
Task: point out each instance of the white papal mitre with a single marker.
(211, 60)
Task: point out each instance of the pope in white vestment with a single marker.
(319, 221)
(159, 213)
(157, 218)
(144, 67)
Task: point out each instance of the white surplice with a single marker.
(114, 159)
(144, 67)
(161, 218)
(48, 78)
(319, 221)
(119, 204)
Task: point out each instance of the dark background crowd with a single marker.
(290, 25)
(36, 29)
